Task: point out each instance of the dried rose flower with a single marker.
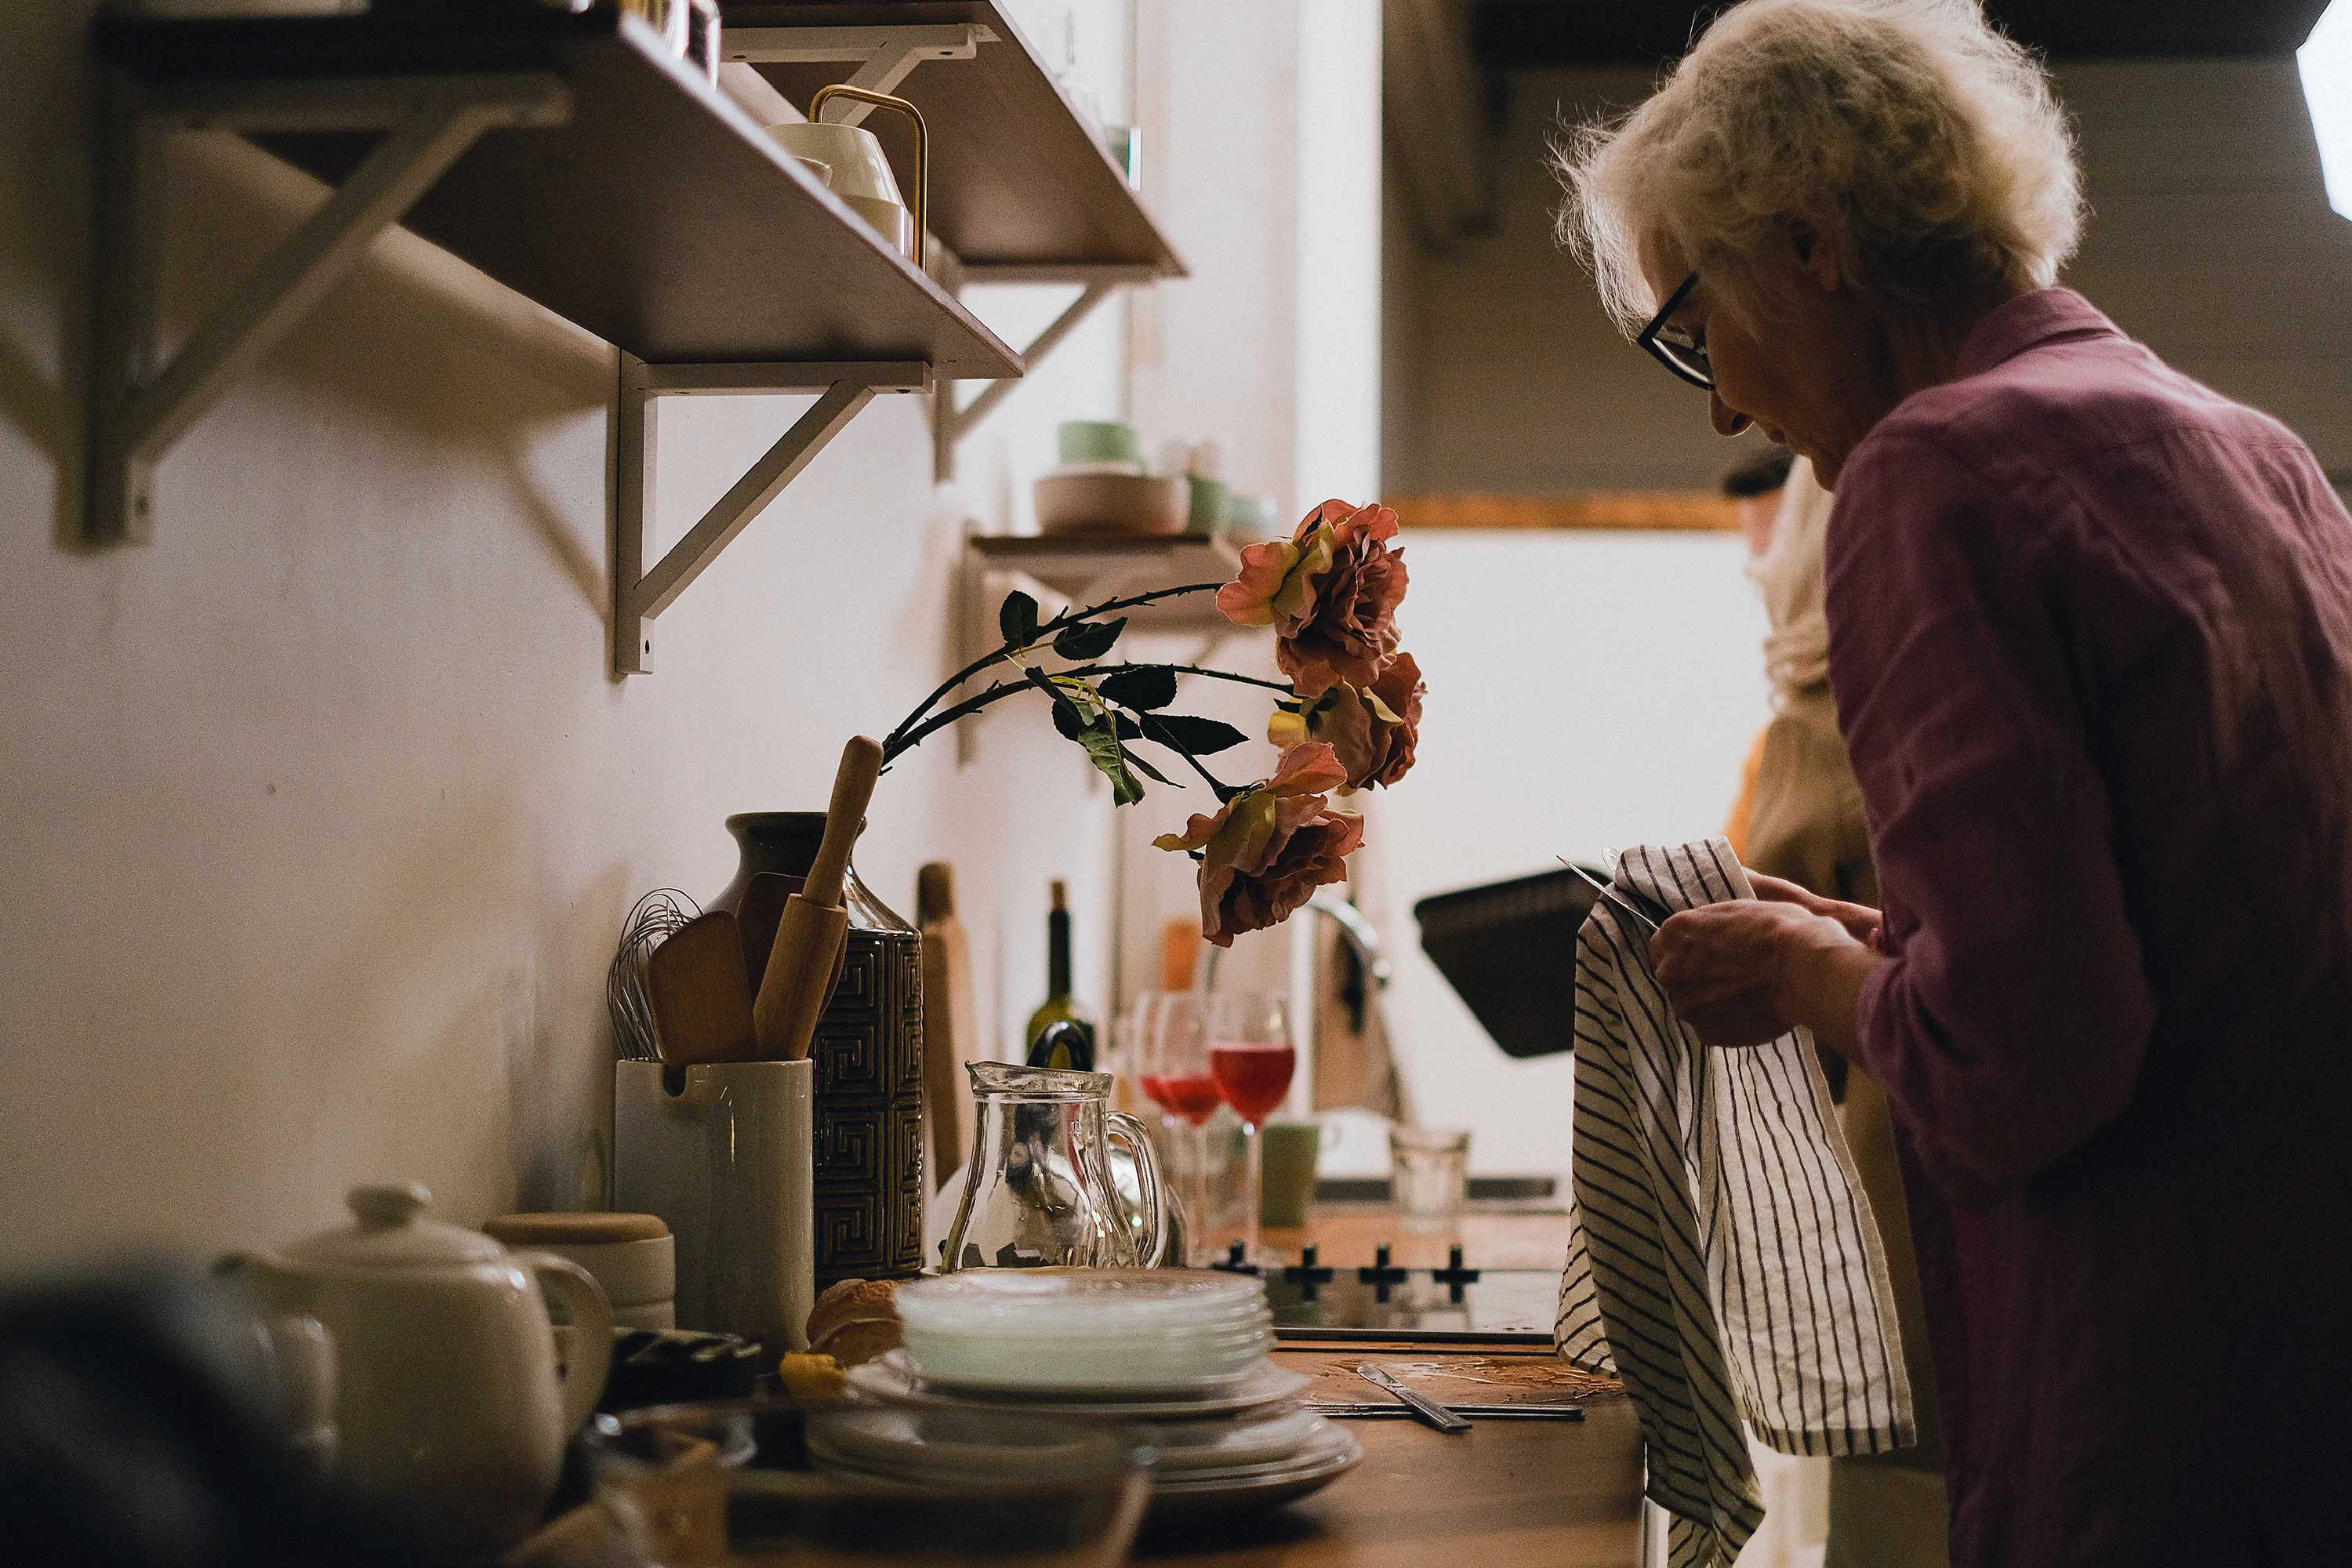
(1267, 850)
(1372, 730)
(1331, 593)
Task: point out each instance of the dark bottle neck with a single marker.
(1057, 954)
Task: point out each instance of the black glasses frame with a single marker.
(1695, 368)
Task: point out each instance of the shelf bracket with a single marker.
(639, 595)
(138, 408)
(951, 423)
(884, 54)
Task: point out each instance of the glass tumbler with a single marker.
(1428, 1177)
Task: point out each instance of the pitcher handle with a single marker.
(591, 1361)
(1147, 1183)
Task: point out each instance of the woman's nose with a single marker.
(1728, 421)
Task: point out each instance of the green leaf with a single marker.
(1193, 737)
(1017, 619)
(1067, 717)
(1106, 754)
(1142, 686)
(1088, 639)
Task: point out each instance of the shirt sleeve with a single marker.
(2010, 1024)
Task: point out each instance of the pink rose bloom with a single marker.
(1331, 593)
(1265, 852)
(1372, 730)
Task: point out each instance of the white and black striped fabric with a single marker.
(1724, 1261)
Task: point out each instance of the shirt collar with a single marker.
(2028, 321)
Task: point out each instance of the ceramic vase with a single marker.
(868, 1058)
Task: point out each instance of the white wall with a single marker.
(320, 812)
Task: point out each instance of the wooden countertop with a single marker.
(1506, 1494)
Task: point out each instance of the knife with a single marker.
(1347, 1410)
(1436, 1415)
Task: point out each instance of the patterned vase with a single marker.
(869, 1054)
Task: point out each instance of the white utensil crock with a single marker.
(728, 1163)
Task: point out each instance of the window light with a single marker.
(2326, 60)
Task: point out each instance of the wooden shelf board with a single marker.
(1016, 179)
(1668, 510)
(660, 219)
(1078, 566)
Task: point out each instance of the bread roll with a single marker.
(856, 1321)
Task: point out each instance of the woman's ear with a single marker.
(1817, 253)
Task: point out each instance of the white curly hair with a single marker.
(1930, 140)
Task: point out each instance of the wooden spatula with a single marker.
(809, 936)
(701, 998)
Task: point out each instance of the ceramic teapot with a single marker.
(450, 1411)
(857, 169)
(1038, 1192)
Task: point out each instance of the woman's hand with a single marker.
(1746, 971)
(1861, 922)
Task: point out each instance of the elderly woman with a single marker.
(2090, 635)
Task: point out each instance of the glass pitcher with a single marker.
(1039, 1193)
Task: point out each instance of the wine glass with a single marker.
(1172, 1060)
(1251, 1057)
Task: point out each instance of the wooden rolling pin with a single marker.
(809, 935)
(950, 1020)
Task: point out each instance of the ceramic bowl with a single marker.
(1098, 441)
(1112, 503)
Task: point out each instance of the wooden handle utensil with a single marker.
(701, 999)
(810, 933)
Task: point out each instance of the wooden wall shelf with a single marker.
(1017, 179)
(657, 217)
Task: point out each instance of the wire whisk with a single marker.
(653, 920)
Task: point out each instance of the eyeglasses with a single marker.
(1678, 348)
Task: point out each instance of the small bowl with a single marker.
(1112, 503)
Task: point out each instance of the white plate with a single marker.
(1076, 1366)
(1275, 1435)
(1287, 1483)
(892, 1381)
(1031, 1303)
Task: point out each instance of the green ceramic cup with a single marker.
(1207, 518)
(1291, 1152)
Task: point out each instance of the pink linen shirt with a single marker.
(2091, 640)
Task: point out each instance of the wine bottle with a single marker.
(1071, 1048)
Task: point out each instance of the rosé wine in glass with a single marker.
(1192, 1096)
(1253, 1079)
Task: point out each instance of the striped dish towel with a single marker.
(1723, 1261)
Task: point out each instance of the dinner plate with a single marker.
(1078, 1303)
(1222, 1444)
(1311, 1472)
(1052, 1366)
(892, 1381)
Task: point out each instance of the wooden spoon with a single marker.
(701, 998)
(809, 936)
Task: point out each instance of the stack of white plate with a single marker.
(1177, 1358)
(1128, 1330)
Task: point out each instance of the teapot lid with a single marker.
(392, 1234)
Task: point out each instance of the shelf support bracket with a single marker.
(884, 54)
(638, 593)
(949, 423)
(137, 409)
